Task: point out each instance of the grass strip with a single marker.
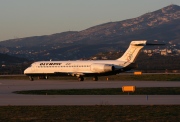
(108, 91)
(100, 113)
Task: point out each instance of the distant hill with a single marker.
(162, 25)
(7, 59)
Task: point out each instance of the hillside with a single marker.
(162, 25)
(7, 59)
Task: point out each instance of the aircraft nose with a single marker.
(26, 71)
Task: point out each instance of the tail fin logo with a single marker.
(129, 54)
(132, 52)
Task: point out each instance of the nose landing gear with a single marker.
(31, 78)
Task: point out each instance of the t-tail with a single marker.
(132, 52)
(134, 48)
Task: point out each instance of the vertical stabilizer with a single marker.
(132, 52)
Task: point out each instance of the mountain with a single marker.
(162, 25)
(3, 49)
(7, 59)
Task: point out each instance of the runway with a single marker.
(8, 98)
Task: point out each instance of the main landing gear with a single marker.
(46, 77)
(95, 78)
(81, 78)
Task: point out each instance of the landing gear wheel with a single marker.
(95, 78)
(46, 77)
(31, 78)
(80, 78)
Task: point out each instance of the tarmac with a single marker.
(8, 98)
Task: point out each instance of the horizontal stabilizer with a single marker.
(154, 44)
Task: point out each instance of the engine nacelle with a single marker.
(102, 68)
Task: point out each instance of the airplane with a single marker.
(88, 68)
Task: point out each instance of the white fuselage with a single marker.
(90, 66)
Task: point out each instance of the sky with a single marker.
(25, 18)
